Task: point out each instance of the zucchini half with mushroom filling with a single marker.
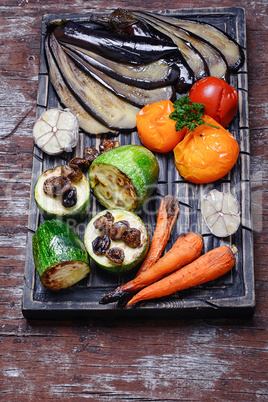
(124, 177)
(60, 257)
(117, 240)
(55, 194)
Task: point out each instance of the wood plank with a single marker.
(230, 295)
(141, 359)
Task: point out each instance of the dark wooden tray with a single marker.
(230, 295)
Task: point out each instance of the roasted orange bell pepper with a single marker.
(207, 153)
(156, 129)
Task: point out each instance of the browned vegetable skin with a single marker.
(187, 248)
(123, 21)
(208, 267)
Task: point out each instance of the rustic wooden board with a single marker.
(230, 295)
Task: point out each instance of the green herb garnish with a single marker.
(188, 114)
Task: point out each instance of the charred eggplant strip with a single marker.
(148, 76)
(104, 105)
(192, 56)
(86, 122)
(230, 49)
(121, 48)
(215, 61)
(136, 96)
(119, 21)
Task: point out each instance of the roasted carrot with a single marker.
(208, 267)
(167, 215)
(187, 248)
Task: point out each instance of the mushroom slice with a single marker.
(90, 154)
(221, 213)
(132, 237)
(104, 223)
(116, 254)
(101, 244)
(56, 131)
(82, 163)
(118, 229)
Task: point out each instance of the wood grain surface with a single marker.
(122, 359)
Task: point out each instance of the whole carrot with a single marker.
(167, 215)
(208, 267)
(187, 248)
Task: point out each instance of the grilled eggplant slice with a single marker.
(215, 61)
(104, 105)
(121, 48)
(86, 122)
(191, 55)
(228, 47)
(136, 96)
(124, 22)
(148, 76)
(186, 79)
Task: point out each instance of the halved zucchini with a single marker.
(124, 177)
(133, 256)
(52, 207)
(60, 256)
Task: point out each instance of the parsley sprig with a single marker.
(188, 114)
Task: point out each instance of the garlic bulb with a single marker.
(221, 213)
(56, 131)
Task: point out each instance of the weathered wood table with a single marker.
(144, 359)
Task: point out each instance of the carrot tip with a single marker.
(113, 296)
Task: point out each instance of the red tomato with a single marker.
(220, 98)
(156, 130)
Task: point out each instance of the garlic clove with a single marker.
(211, 219)
(52, 147)
(41, 128)
(64, 138)
(51, 116)
(56, 131)
(44, 139)
(208, 208)
(221, 213)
